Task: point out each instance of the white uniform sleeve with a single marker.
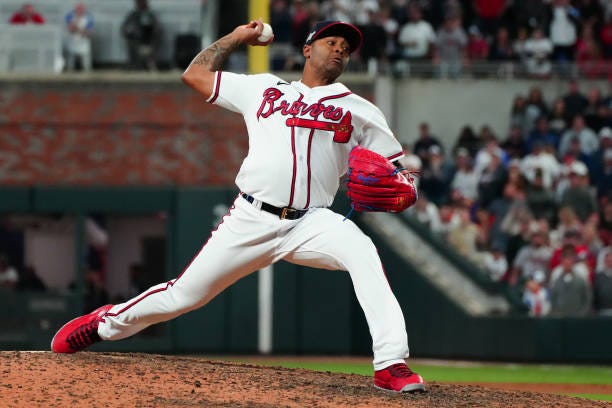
(377, 136)
(236, 91)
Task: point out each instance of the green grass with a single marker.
(597, 397)
(515, 373)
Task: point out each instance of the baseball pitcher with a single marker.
(303, 137)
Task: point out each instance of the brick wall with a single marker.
(115, 133)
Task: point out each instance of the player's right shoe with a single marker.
(398, 378)
(79, 333)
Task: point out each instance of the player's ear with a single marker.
(306, 51)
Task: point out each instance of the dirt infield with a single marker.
(44, 379)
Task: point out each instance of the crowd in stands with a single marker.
(532, 208)
(528, 37)
(141, 30)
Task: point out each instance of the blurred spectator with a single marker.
(503, 53)
(536, 295)
(464, 183)
(449, 218)
(467, 139)
(391, 27)
(541, 200)
(602, 287)
(563, 30)
(9, 277)
(558, 118)
(495, 263)
(477, 50)
(518, 46)
(570, 293)
(518, 113)
(29, 280)
(411, 161)
(435, 176)
(529, 13)
(362, 11)
(463, 237)
(492, 180)
(594, 113)
(305, 13)
(602, 177)
(514, 145)
(426, 213)
(281, 49)
(490, 147)
(341, 10)
(535, 105)
(587, 138)
(416, 40)
(27, 15)
(450, 52)
(489, 14)
(589, 56)
(510, 212)
(567, 220)
(541, 162)
(590, 238)
(541, 135)
(585, 260)
(372, 51)
(605, 36)
(424, 142)
(578, 194)
(533, 257)
(538, 50)
(605, 221)
(79, 24)
(142, 31)
(575, 101)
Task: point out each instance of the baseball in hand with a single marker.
(266, 33)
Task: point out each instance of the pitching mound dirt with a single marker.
(44, 379)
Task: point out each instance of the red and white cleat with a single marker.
(79, 333)
(398, 378)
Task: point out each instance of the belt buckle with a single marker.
(286, 211)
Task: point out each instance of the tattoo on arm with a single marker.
(215, 55)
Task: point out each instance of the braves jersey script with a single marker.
(300, 137)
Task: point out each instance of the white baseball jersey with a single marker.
(300, 137)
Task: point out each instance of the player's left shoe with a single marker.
(79, 333)
(398, 378)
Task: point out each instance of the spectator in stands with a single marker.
(575, 101)
(514, 145)
(535, 105)
(340, 10)
(449, 218)
(477, 51)
(585, 260)
(536, 295)
(427, 213)
(436, 176)
(29, 280)
(27, 15)
(425, 140)
(529, 13)
(605, 220)
(518, 113)
(595, 112)
(374, 46)
(142, 32)
(570, 293)
(503, 53)
(541, 134)
(602, 166)
(567, 220)
(492, 179)
(416, 40)
(587, 138)
(605, 36)
(450, 51)
(541, 161)
(563, 30)
(578, 194)
(510, 212)
(469, 140)
(464, 183)
(489, 15)
(541, 200)
(79, 26)
(589, 56)
(590, 237)
(602, 287)
(280, 49)
(533, 257)
(495, 263)
(558, 118)
(538, 50)
(463, 237)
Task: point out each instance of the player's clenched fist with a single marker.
(253, 33)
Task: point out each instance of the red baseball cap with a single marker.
(331, 28)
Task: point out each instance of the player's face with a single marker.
(328, 55)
